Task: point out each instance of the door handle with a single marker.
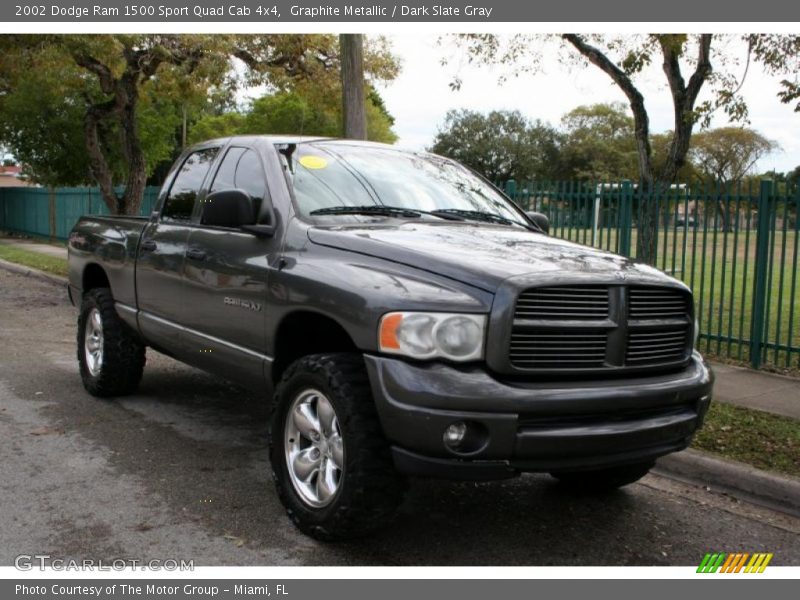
(148, 245)
(196, 254)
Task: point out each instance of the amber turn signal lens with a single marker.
(389, 326)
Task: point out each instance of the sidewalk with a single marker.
(31, 246)
(767, 392)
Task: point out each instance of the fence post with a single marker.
(761, 270)
(52, 212)
(511, 189)
(626, 220)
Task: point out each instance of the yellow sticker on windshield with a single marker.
(313, 162)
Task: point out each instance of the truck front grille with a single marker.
(657, 303)
(571, 302)
(652, 348)
(598, 328)
(547, 349)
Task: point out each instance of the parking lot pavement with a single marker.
(180, 471)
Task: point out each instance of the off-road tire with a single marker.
(602, 480)
(123, 352)
(370, 490)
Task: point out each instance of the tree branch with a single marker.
(702, 69)
(641, 120)
(103, 73)
(683, 97)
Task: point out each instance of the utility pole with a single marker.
(351, 48)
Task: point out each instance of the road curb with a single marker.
(31, 272)
(737, 479)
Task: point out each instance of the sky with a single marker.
(420, 97)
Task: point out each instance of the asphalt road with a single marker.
(180, 471)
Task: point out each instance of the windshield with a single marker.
(327, 175)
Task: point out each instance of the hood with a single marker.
(479, 254)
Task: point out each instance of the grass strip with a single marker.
(35, 260)
(762, 440)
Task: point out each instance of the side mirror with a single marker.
(228, 208)
(540, 220)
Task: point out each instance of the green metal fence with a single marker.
(52, 212)
(736, 246)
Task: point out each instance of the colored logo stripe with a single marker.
(734, 562)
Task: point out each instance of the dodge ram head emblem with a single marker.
(621, 275)
(242, 303)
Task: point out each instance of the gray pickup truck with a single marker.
(402, 316)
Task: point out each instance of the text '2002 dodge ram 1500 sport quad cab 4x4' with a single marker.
(406, 317)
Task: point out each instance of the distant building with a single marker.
(11, 177)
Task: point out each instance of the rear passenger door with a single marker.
(225, 273)
(162, 251)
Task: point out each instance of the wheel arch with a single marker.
(304, 332)
(94, 276)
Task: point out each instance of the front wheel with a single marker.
(330, 460)
(602, 480)
(110, 355)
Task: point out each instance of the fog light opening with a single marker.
(454, 434)
(465, 437)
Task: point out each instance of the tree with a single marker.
(353, 110)
(500, 145)
(97, 91)
(293, 113)
(112, 104)
(728, 154)
(599, 143)
(706, 58)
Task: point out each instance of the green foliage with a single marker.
(41, 121)
(595, 142)
(500, 145)
(293, 113)
(599, 143)
(214, 126)
(715, 64)
(728, 154)
(50, 83)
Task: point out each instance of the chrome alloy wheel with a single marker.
(314, 448)
(93, 342)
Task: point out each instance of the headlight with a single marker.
(420, 335)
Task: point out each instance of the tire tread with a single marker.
(372, 489)
(123, 352)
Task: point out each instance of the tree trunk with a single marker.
(351, 46)
(97, 161)
(132, 148)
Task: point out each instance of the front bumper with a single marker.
(533, 426)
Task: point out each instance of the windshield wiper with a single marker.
(382, 210)
(479, 215)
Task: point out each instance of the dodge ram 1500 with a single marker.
(402, 316)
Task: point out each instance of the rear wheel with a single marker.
(110, 355)
(330, 460)
(602, 480)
